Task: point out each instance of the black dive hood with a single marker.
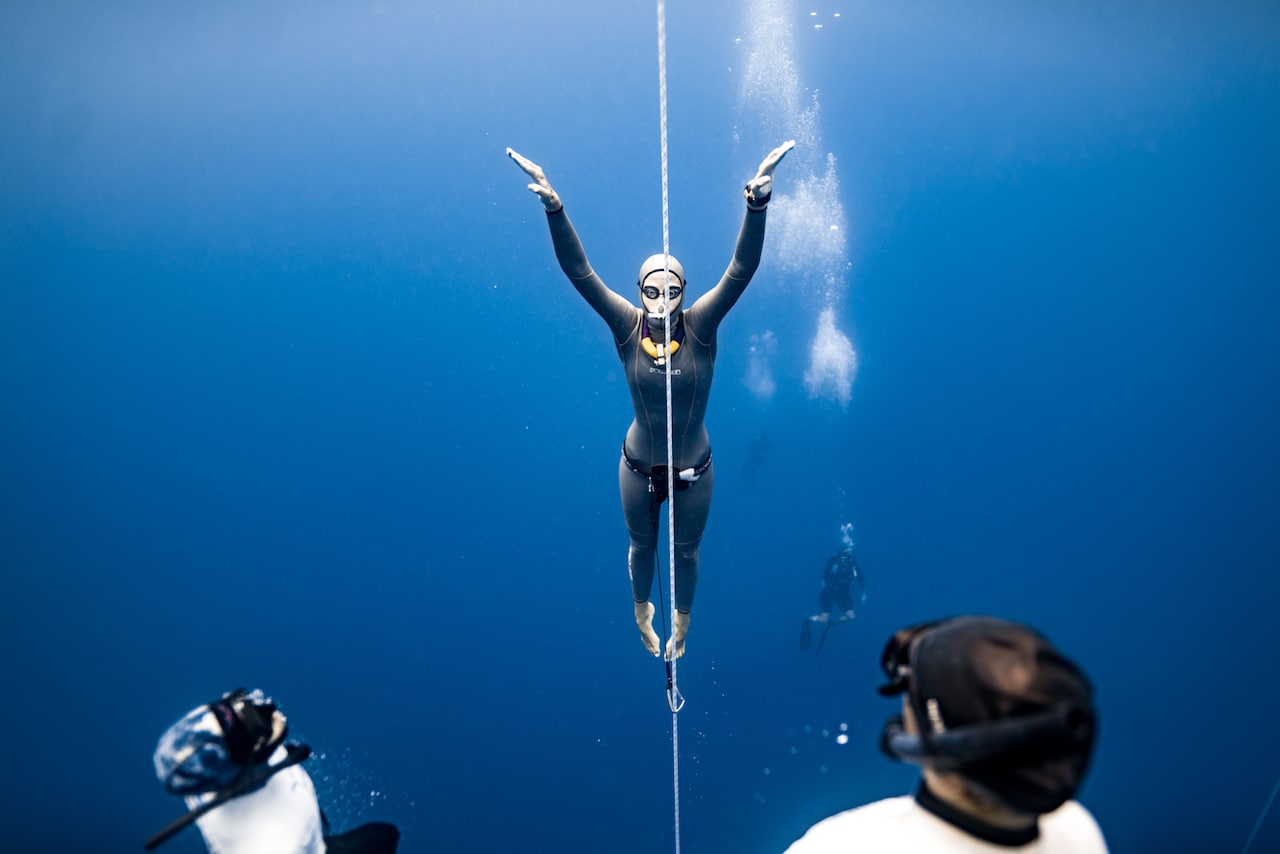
(994, 702)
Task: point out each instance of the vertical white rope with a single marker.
(1257, 825)
(671, 492)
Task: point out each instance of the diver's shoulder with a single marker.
(1072, 828)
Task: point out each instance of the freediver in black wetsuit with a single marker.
(640, 336)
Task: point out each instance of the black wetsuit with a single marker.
(645, 447)
(837, 576)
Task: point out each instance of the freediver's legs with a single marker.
(644, 621)
(641, 515)
(693, 507)
(642, 526)
(640, 510)
(679, 629)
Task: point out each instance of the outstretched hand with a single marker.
(540, 186)
(760, 187)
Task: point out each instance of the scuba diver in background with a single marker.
(837, 582)
(245, 787)
(640, 335)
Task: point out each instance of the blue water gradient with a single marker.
(295, 397)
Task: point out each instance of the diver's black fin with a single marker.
(822, 641)
(806, 634)
(376, 837)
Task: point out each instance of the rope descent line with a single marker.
(1257, 825)
(674, 700)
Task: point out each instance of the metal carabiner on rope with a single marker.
(675, 700)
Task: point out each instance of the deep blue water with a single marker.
(295, 396)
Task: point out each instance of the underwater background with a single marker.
(294, 396)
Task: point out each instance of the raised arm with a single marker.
(705, 314)
(616, 310)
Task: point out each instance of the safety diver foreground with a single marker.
(245, 786)
(1002, 725)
